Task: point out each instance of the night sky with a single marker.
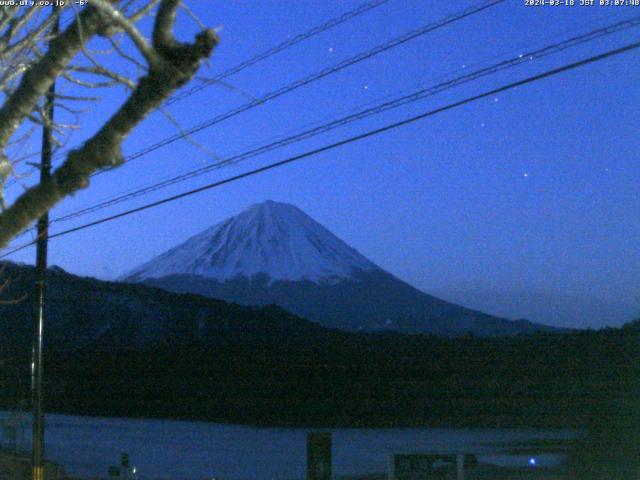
(524, 205)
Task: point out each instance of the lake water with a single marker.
(178, 450)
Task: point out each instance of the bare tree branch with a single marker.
(176, 65)
(150, 55)
(124, 55)
(42, 74)
(187, 137)
(105, 72)
(144, 11)
(29, 37)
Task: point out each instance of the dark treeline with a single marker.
(543, 380)
(586, 380)
(131, 350)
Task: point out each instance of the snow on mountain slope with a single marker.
(274, 254)
(273, 238)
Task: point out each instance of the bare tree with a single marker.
(30, 61)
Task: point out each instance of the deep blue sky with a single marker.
(524, 205)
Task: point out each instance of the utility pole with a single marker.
(37, 459)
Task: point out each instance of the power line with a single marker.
(536, 53)
(334, 22)
(353, 139)
(411, 35)
(278, 48)
(385, 106)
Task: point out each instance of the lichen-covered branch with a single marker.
(115, 16)
(37, 80)
(177, 64)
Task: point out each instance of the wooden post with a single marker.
(319, 456)
(391, 467)
(460, 466)
(37, 442)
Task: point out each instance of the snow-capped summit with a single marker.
(277, 239)
(273, 253)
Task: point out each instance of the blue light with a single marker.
(532, 462)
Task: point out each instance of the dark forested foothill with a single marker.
(133, 350)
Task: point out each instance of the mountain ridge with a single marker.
(273, 253)
(272, 237)
(84, 312)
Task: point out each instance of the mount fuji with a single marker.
(274, 253)
(271, 238)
